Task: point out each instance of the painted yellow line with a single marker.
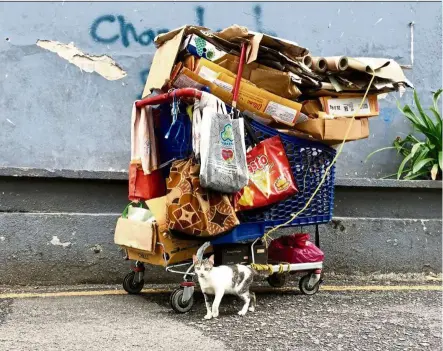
(78, 293)
(259, 289)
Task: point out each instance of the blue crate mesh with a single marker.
(308, 161)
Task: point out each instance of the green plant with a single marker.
(422, 158)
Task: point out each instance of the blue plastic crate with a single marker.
(245, 232)
(308, 161)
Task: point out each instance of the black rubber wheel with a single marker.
(177, 304)
(305, 288)
(130, 286)
(277, 280)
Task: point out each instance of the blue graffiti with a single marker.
(126, 32)
(388, 114)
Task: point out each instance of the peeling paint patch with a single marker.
(56, 242)
(103, 65)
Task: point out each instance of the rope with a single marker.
(294, 216)
(270, 268)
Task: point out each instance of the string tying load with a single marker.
(267, 236)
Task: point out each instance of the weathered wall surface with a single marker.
(57, 231)
(54, 115)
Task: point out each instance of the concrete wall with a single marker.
(55, 116)
(56, 231)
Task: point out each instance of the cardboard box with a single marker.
(169, 44)
(333, 130)
(257, 101)
(136, 234)
(346, 106)
(272, 80)
(168, 249)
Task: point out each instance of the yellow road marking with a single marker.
(164, 291)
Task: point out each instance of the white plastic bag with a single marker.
(139, 214)
(223, 161)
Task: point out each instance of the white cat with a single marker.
(233, 280)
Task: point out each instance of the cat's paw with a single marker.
(251, 309)
(208, 316)
(214, 314)
(241, 313)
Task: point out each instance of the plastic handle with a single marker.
(239, 75)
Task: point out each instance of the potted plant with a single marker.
(422, 154)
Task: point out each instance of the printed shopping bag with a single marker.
(223, 153)
(270, 176)
(145, 186)
(192, 209)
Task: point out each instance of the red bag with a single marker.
(145, 186)
(294, 249)
(270, 176)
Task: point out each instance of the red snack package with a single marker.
(270, 176)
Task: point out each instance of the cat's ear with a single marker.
(194, 259)
(211, 259)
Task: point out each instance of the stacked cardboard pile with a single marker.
(283, 85)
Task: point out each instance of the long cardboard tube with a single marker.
(319, 64)
(337, 63)
(307, 61)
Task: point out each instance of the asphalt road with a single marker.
(337, 318)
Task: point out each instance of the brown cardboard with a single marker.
(334, 130)
(169, 44)
(311, 107)
(272, 80)
(175, 249)
(251, 98)
(169, 250)
(136, 234)
(347, 106)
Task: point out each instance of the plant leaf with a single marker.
(415, 176)
(420, 164)
(440, 159)
(378, 150)
(435, 99)
(403, 164)
(426, 120)
(434, 171)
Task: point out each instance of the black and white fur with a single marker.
(221, 280)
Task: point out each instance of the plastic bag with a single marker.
(270, 176)
(295, 248)
(224, 167)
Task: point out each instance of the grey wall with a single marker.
(54, 116)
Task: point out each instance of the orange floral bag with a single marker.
(194, 210)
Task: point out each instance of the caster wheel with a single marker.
(304, 287)
(177, 303)
(277, 280)
(130, 286)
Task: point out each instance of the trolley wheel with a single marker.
(277, 280)
(177, 303)
(304, 287)
(130, 286)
